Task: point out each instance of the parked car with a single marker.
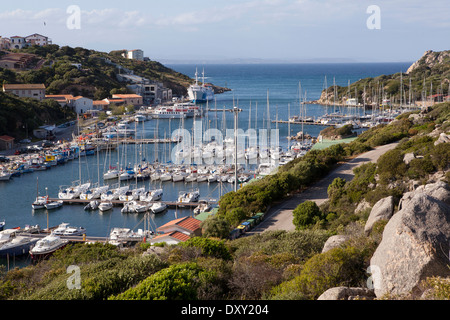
(4, 159)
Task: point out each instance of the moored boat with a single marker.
(46, 246)
(64, 229)
(18, 246)
(158, 207)
(53, 205)
(105, 206)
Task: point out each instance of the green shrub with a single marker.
(209, 247)
(215, 226)
(336, 267)
(306, 214)
(177, 282)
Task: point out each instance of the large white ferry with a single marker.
(200, 93)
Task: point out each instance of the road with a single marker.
(280, 216)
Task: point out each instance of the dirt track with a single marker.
(280, 217)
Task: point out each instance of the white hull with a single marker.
(158, 207)
(105, 206)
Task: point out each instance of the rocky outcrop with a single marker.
(383, 209)
(443, 138)
(408, 158)
(346, 293)
(438, 190)
(430, 59)
(334, 242)
(415, 245)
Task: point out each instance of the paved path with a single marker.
(280, 217)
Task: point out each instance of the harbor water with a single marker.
(250, 84)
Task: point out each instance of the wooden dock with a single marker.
(312, 123)
(170, 204)
(146, 141)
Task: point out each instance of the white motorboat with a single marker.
(40, 202)
(128, 207)
(7, 235)
(94, 193)
(93, 205)
(47, 246)
(131, 195)
(155, 176)
(141, 207)
(54, 204)
(168, 113)
(202, 207)
(178, 176)
(202, 178)
(165, 176)
(127, 175)
(188, 197)
(111, 174)
(158, 207)
(152, 195)
(212, 178)
(114, 194)
(74, 191)
(135, 207)
(64, 229)
(140, 117)
(5, 175)
(120, 236)
(191, 177)
(105, 206)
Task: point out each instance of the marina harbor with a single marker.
(132, 174)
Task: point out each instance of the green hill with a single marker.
(426, 77)
(96, 79)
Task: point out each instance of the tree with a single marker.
(306, 214)
(336, 189)
(216, 226)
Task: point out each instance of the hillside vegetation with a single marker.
(272, 265)
(19, 117)
(97, 77)
(430, 75)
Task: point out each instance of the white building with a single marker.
(82, 104)
(38, 39)
(136, 54)
(5, 43)
(29, 90)
(18, 42)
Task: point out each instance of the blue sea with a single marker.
(251, 86)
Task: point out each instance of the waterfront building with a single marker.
(82, 104)
(133, 99)
(64, 100)
(186, 225)
(6, 142)
(36, 91)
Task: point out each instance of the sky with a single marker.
(240, 30)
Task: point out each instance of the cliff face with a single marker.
(430, 59)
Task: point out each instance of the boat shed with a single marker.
(173, 237)
(6, 142)
(187, 225)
